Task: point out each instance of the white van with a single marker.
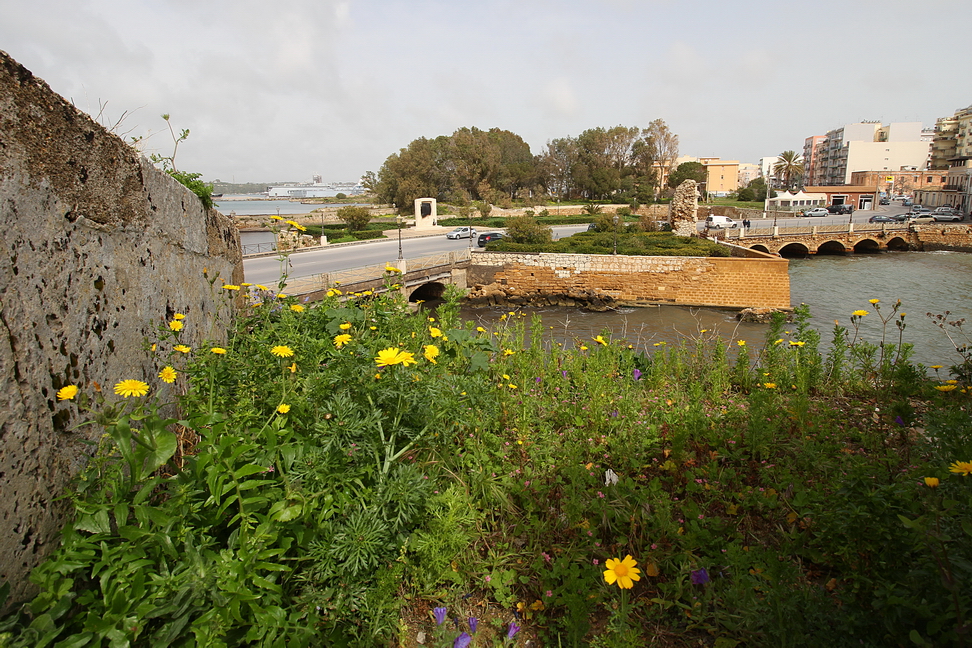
(720, 222)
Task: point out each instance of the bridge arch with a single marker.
(794, 250)
(760, 247)
(899, 244)
(832, 247)
(867, 246)
(427, 292)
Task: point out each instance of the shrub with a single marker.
(526, 229)
(357, 218)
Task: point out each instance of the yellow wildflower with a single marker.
(182, 348)
(345, 326)
(945, 388)
(168, 374)
(859, 313)
(297, 308)
(931, 482)
(873, 301)
(961, 468)
(68, 392)
(392, 356)
(283, 408)
(431, 352)
(341, 340)
(218, 350)
(128, 388)
(741, 343)
(175, 325)
(434, 332)
(623, 572)
(600, 340)
(769, 385)
(508, 352)
(230, 287)
(282, 351)
(178, 316)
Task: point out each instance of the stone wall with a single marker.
(629, 280)
(100, 249)
(942, 236)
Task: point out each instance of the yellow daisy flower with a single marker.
(623, 572)
(128, 388)
(68, 392)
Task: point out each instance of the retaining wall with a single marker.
(100, 249)
(724, 282)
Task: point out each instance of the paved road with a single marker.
(267, 270)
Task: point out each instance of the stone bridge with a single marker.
(421, 279)
(801, 240)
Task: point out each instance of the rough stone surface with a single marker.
(685, 207)
(100, 249)
(600, 282)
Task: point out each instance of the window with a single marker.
(929, 179)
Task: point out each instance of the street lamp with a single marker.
(615, 234)
(398, 219)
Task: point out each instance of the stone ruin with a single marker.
(100, 250)
(685, 208)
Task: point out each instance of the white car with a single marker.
(461, 233)
(816, 211)
(946, 214)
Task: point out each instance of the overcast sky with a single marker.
(284, 90)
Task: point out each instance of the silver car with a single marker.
(461, 233)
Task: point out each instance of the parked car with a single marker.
(945, 209)
(816, 211)
(486, 237)
(899, 218)
(919, 208)
(880, 218)
(884, 201)
(920, 217)
(946, 216)
(720, 222)
(906, 202)
(461, 233)
(840, 209)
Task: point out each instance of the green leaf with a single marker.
(95, 523)
(246, 471)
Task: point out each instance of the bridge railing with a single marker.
(810, 229)
(257, 248)
(362, 274)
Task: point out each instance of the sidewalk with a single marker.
(390, 235)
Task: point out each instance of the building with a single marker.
(869, 146)
(721, 176)
(747, 173)
(860, 197)
(951, 155)
(811, 159)
(316, 190)
(900, 183)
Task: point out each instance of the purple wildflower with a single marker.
(462, 641)
(513, 630)
(637, 374)
(899, 421)
(700, 576)
(440, 615)
(473, 624)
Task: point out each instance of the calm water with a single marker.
(261, 207)
(832, 286)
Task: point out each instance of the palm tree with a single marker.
(788, 166)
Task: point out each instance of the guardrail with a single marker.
(257, 248)
(808, 229)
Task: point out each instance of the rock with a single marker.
(760, 315)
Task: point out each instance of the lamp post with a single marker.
(398, 219)
(615, 234)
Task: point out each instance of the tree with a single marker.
(527, 229)
(789, 167)
(357, 218)
(665, 144)
(686, 171)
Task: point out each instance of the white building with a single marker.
(316, 190)
(869, 146)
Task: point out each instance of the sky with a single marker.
(285, 90)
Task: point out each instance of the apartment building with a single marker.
(721, 176)
(811, 159)
(868, 146)
(952, 155)
(904, 182)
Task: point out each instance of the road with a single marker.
(267, 270)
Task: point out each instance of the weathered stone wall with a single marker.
(685, 206)
(99, 249)
(637, 280)
(942, 236)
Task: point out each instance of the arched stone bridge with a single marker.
(800, 241)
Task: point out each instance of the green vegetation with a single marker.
(191, 181)
(687, 171)
(631, 240)
(356, 218)
(496, 166)
(351, 474)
